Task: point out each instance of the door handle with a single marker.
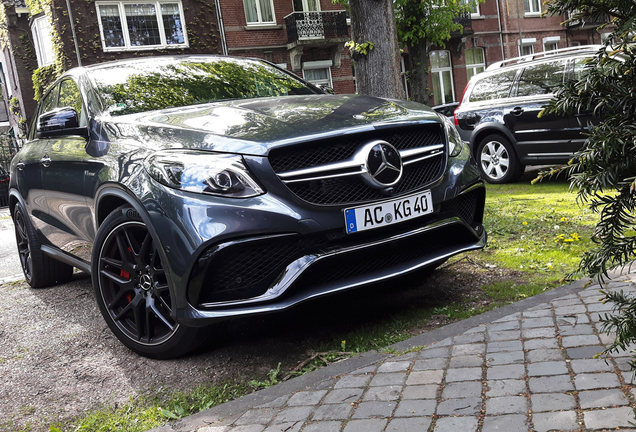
(45, 161)
(517, 111)
(20, 165)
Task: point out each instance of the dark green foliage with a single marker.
(604, 171)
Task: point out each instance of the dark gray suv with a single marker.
(196, 189)
(498, 114)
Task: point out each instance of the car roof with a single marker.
(560, 53)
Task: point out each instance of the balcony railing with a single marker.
(316, 25)
(466, 21)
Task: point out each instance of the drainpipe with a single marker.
(519, 25)
(70, 17)
(221, 27)
(503, 55)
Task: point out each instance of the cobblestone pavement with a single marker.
(532, 370)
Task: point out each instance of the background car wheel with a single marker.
(131, 288)
(40, 270)
(498, 161)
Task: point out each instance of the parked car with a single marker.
(201, 188)
(4, 187)
(498, 114)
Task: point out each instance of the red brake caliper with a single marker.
(124, 273)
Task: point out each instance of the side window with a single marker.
(493, 87)
(541, 79)
(70, 97)
(49, 102)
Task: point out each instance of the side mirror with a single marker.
(327, 89)
(60, 122)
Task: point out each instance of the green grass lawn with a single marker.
(537, 234)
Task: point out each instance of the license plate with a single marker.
(388, 213)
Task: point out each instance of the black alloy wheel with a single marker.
(40, 270)
(132, 289)
(22, 239)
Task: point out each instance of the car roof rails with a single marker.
(544, 54)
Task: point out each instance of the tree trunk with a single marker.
(377, 72)
(418, 75)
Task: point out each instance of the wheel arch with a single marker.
(492, 129)
(111, 197)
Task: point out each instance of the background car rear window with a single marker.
(544, 78)
(493, 87)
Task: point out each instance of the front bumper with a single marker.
(270, 273)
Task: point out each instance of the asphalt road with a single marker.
(9, 261)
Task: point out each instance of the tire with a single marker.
(40, 270)
(132, 289)
(498, 160)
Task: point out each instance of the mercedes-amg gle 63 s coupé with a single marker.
(199, 188)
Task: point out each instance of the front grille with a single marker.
(352, 189)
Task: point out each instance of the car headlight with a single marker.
(203, 172)
(455, 142)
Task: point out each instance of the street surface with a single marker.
(9, 261)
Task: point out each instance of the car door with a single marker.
(69, 218)
(549, 136)
(29, 166)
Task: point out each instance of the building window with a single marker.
(141, 25)
(318, 73)
(474, 7)
(526, 46)
(442, 74)
(41, 29)
(474, 61)
(551, 43)
(259, 11)
(306, 6)
(532, 6)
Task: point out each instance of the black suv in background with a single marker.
(498, 113)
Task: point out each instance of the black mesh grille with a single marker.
(352, 189)
(247, 269)
(466, 206)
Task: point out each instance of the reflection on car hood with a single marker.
(253, 126)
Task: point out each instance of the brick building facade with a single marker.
(306, 37)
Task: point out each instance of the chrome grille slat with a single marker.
(330, 171)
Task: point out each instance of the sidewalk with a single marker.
(528, 366)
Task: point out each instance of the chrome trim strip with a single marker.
(550, 154)
(296, 268)
(356, 164)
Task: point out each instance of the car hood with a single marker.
(254, 126)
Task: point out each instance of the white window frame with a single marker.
(260, 21)
(441, 81)
(531, 11)
(41, 30)
(552, 40)
(306, 7)
(124, 25)
(322, 64)
(527, 43)
(477, 13)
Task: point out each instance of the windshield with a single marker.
(154, 84)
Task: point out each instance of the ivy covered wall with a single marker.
(200, 21)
